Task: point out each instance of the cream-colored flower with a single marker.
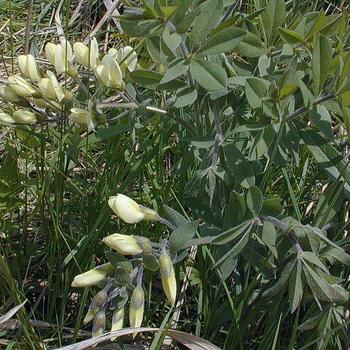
(28, 67)
(22, 116)
(6, 118)
(130, 211)
(20, 86)
(126, 57)
(123, 244)
(167, 275)
(50, 87)
(93, 276)
(82, 117)
(86, 55)
(7, 94)
(63, 59)
(136, 310)
(108, 73)
(50, 50)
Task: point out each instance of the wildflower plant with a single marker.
(239, 117)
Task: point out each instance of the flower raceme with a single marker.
(93, 276)
(130, 211)
(86, 55)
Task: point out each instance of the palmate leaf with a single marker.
(328, 158)
(321, 289)
(281, 281)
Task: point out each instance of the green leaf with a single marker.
(322, 289)
(174, 217)
(273, 17)
(313, 259)
(210, 13)
(254, 200)
(146, 78)
(321, 118)
(296, 287)
(337, 254)
(272, 206)
(224, 41)
(281, 282)
(185, 97)
(176, 68)
(237, 248)
(118, 260)
(179, 238)
(321, 61)
(183, 25)
(122, 275)
(328, 158)
(231, 234)
(256, 89)
(236, 205)
(141, 28)
(290, 36)
(251, 46)
(152, 80)
(150, 262)
(209, 75)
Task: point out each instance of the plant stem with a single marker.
(302, 110)
(286, 230)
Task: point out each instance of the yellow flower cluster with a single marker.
(37, 91)
(131, 212)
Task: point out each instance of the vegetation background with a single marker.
(55, 179)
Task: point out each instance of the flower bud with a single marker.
(137, 304)
(50, 50)
(23, 116)
(145, 244)
(28, 67)
(6, 118)
(95, 306)
(63, 59)
(51, 88)
(167, 275)
(99, 324)
(41, 103)
(123, 244)
(130, 211)
(82, 117)
(117, 320)
(7, 94)
(20, 87)
(93, 276)
(86, 55)
(120, 55)
(108, 73)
